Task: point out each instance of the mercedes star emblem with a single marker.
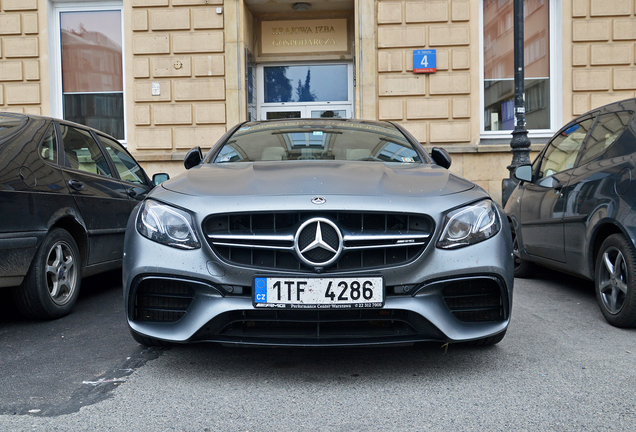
(318, 200)
(318, 242)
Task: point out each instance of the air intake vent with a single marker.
(475, 300)
(162, 300)
(318, 327)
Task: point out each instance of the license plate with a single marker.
(319, 293)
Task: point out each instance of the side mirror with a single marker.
(551, 182)
(441, 157)
(159, 178)
(523, 173)
(193, 158)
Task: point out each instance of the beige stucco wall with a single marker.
(603, 36)
(196, 55)
(182, 46)
(435, 107)
(442, 109)
(23, 52)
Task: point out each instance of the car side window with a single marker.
(606, 131)
(563, 149)
(48, 147)
(125, 165)
(82, 152)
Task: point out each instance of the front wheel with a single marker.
(523, 268)
(615, 281)
(51, 286)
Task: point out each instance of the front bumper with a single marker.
(424, 313)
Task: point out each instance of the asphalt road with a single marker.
(560, 367)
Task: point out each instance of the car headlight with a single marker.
(469, 225)
(167, 225)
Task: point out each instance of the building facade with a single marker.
(164, 76)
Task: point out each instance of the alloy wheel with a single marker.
(613, 280)
(61, 273)
(515, 252)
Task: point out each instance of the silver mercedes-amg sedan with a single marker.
(318, 232)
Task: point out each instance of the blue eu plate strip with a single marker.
(260, 290)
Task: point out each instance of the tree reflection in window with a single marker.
(315, 83)
(303, 92)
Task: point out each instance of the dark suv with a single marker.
(66, 192)
(575, 208)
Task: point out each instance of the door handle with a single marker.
(131, 193)
(76, 184)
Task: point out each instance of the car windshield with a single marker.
(317, 140)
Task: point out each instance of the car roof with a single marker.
(48, 118)
(623, 105)
(325, 121)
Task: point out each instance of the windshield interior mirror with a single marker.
(193, 158)
(441, 157)
(523, 173)
(159, 178)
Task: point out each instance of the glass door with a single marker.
(322, 90)
(275, 113)
(329, 111)
(307, 111)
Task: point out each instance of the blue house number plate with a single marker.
(424, 61)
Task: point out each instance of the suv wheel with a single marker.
(51, 286)
(615, 281)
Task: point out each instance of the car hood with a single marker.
(317, 178)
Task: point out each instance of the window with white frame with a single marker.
(88, 65)
(303, 90)
(498, 66)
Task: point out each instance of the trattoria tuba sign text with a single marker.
(308, 36)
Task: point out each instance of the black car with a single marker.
(66, 192)
(574, 209)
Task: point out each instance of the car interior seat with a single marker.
(353, 154)
(274, 154)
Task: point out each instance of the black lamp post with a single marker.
(520, 142)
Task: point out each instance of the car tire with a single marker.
(52, 283)
(148, 341)
(523, 268)
(489, 341)
(615, 281)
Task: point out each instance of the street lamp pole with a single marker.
(520, 143)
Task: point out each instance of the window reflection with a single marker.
(562, 151)
(297, 140)
(92, 77)
(607, 130)
(48, 148)
(125, 165)
(312, 83)
(275, 115)
(82, 153)
(329, 114)
(499, 64)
